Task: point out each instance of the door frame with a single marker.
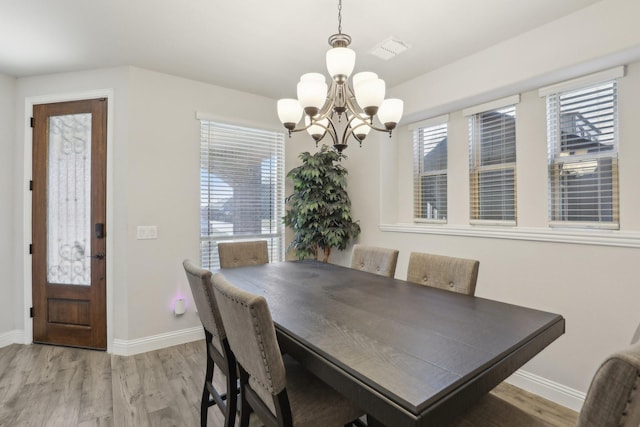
(27, 202)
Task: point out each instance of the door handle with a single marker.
(99, 255)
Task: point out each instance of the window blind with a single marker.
(583, 156)
(430, 173)
(241, 188)
(492, 141)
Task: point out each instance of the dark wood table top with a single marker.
(408, 354)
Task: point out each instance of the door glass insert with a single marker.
(69, 200)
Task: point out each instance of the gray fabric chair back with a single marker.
(381, 261)
(613, 399)
(240, 254)
(202, 290)
(636, 336)
(251, 335)
(452, 274)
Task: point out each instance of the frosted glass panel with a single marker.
(69, 200)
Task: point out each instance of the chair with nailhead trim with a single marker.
(274, 387)
(381, 261)
(219, 353)
(240, 254)
(613, 399)
(452, 274)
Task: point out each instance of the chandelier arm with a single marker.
(331, 129)
(380, 129)
(329, 103)
(351, 131)
(332, 132)
(356, 111)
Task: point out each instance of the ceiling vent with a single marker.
(389, 48)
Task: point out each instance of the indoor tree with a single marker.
(319, 210)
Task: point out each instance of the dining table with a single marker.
(406, 354)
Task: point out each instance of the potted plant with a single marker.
(319, 210)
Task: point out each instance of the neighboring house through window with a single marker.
(430, 170)
(583, 151)
(241, 188)
(492, 162)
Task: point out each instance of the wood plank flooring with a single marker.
(59, 386)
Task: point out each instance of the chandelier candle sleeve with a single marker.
(289, 112)
(390, 112)
(312, 92)
(323, 106)
(340, 63)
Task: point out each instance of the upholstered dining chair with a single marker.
(276, 388)
(381, 261)
(452, 274)
(613, 399)
(239, 254)
(219, 353)
(636, 335)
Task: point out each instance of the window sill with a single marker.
(623, 239)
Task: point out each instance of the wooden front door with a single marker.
(69, 215)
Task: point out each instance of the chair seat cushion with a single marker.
(313, 403)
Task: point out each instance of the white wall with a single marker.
(153, 180)
(7, 250)
(162, 189)
(593, 286)
(59, 87)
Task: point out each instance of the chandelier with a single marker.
(324, 107)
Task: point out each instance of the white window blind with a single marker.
(583, 156)
(241, 188)
(430, 173)
(492, 141)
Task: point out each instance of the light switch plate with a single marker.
(147, 232)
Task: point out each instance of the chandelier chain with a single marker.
(339, 16)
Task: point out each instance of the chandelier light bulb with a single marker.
(390, 112)
(370, 94)
(289, 112)
(316, 131)
(340, 63)
(312, 92)
(360, 128)
(362, 76)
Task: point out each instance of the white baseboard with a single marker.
(156, 342)
(12, 337)
(558, 393)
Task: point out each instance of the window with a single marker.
(583, 156)
(492, 148)
(241, 188)
(430, 173)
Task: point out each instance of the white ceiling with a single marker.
(256, 46)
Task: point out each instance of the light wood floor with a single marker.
(58, 386)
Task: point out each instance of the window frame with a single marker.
(274, 141)
(476, 168)
(418, 167)
(557, 158)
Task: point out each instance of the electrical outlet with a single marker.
(147, 232)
